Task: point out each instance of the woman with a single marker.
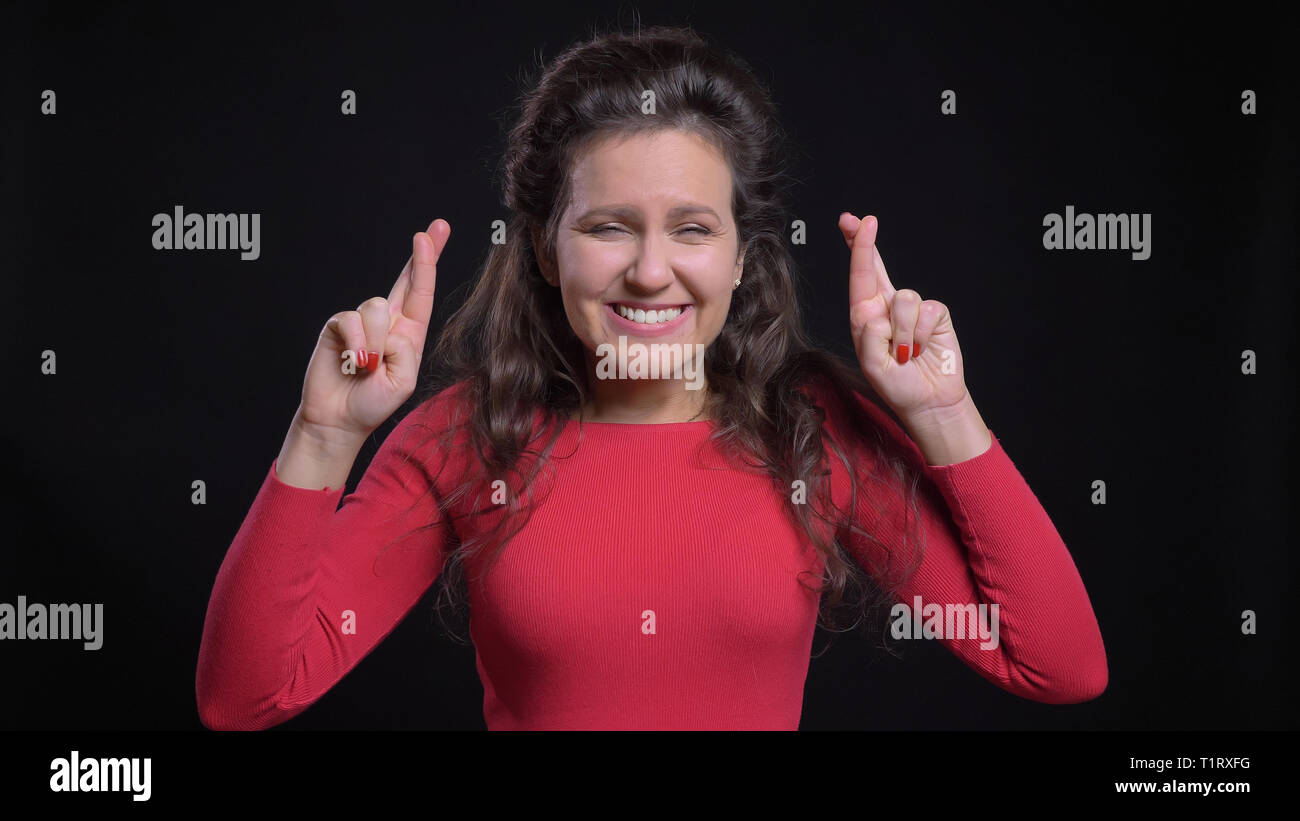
(641, 551)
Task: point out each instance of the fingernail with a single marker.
(901, 355)
(372, 360)
(361, 358)
(917, 352)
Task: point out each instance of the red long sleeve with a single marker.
(654, 587)
(276, 637)
(989, 541)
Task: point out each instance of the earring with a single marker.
(736, 283)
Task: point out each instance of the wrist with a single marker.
(324, 441)
(316, 458)
(951, 434)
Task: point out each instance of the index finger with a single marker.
(398, 292)
(863, 280)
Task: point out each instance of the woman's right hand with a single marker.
(347, 394)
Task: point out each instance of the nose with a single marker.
(652, 269)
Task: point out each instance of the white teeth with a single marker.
(645, 317)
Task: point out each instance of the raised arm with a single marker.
(988, 540)
(305, 592)
(308, 588)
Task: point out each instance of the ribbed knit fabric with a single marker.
(656, 586)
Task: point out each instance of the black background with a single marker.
(175, 366)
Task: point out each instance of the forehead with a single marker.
(648, 169)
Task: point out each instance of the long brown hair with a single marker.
(521, 372)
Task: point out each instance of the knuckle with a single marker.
(373, 302)
(349, 324)
(336, 325)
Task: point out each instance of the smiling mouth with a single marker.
(641, 316)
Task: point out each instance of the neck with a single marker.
(643, 401)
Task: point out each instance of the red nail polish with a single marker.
(902, 354)
(372, 360)
(917, 352)
(361, 358)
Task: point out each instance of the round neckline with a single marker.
(586, 423)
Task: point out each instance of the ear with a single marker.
(740, 264)
(548, 273)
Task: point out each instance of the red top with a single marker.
(654, 588)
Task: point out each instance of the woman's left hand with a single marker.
(907, 346)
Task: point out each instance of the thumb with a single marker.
(871, 327)
(402, 358)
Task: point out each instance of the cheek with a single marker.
(716, 283)
(714, 266)
(582, 296)
(585, 276)
(720, 299)
(718, 316)
(581, 312)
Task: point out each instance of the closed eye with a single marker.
(600, 229)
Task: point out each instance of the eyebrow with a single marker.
(624, 211)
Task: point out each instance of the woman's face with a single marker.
(648, 248)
